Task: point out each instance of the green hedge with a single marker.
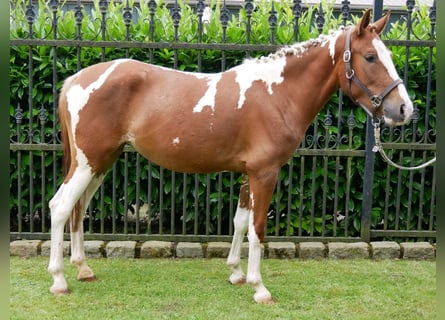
(43, 96)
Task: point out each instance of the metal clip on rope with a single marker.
(378, 147)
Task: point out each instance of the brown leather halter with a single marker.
(376, 100)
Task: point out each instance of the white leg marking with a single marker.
(241, 222)
(61, 207)
(253, 266)
(262, 295)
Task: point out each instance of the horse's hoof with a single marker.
(267, 301)
(59, 292)
(87, 279)
(237, 280)
(264, 298)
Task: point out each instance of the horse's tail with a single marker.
(63, 119)
(67, 141)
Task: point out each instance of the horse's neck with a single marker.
(311, 80)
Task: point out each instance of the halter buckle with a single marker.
(350, 74)
(347, 56)
(376, 101)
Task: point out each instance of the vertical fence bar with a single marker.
(149, 196)
(297, 10)
(277, 206)
(184, 203)
(18, 118)
(103, 7)
(176, 16)
(138, 193)
(42, 117)
(327, 124)
(113, 199)
(54, 5)
(172, 202)
(231, 204)
(248, 6)
(161, 200)
(289, 197)
(272, 22)
(78, 14)
(368, 179)
(31, 17)
(152, 5)
(225, 16)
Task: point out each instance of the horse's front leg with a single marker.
(241, 223)
(262, 185)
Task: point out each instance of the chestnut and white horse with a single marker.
(248, 119)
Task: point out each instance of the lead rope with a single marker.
(378, 147)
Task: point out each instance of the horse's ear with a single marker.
(364, 22)
(380, 24)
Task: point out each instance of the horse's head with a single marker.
(369, 76)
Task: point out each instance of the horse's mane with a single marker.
(299, 48)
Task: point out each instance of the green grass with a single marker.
(198, 289)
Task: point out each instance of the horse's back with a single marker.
(165, 114)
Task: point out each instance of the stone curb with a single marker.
(376, 250)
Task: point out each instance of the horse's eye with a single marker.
(371, 58)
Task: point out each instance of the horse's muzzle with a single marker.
(398, 115)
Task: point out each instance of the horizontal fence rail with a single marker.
(319, 195)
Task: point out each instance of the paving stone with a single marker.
(46, 248)
(156, 249)
(189, 250)
(25, 248)
(218, 249)
(344, 250)
(121, 249)
(281, 250)
(94, 248)
(311, 250)
(417, 250)
(385, 250)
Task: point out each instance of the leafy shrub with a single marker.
(316, 195)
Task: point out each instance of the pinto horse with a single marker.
(249, 119)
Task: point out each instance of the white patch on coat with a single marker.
(175, 141)
(208, 99)
(252, 70)
(77, 97)
(385, 57)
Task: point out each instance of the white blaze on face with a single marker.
(385, 57)
(253, 70)
(208, 100)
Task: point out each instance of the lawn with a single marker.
(198, 289)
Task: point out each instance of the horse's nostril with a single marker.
(402, 109)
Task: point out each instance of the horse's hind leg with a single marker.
(62, 205)
(76, 227)
(241, 223)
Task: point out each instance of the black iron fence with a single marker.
(333, 188)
